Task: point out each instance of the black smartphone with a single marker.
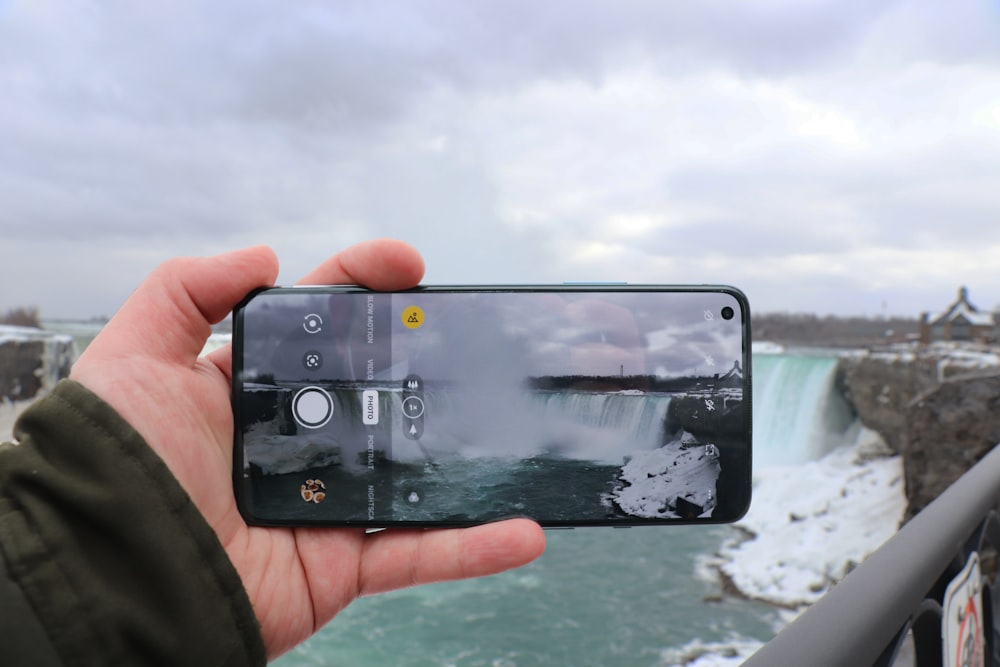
(575, 405)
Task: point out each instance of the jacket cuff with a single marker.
(118, 564)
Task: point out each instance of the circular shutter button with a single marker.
(312, 407)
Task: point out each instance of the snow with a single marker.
(679, 469)
(710, 654)
(766, 347)
(11, 333)
(811, 523)
(22, 334)
(949, 355)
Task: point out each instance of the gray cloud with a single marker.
(842, 144)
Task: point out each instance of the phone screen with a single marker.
(455, 406)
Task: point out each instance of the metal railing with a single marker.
(899, 594)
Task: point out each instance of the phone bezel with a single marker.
(240, 485)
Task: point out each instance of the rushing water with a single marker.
(598, 596)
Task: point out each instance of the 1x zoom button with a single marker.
(413, 407)
(312, 407)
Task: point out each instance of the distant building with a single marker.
(961, 321)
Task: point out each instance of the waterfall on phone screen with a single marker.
(594, 426)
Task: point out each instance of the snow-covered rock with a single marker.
(32, 361)
(810, 524)
(671, 481)
(277, 454)
(711, 654)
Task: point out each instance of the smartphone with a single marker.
(575, 405)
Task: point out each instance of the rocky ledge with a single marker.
(938, 406)
(32, 361)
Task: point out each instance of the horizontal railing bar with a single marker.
(857, 618)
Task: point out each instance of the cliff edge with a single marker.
(936, 405)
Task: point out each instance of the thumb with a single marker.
(169, 316)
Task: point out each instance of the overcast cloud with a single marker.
(824, 156)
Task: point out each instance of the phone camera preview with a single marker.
(728, 313)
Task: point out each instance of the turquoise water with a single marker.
(599, 596)
(798, 415)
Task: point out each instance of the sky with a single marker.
(836, 157)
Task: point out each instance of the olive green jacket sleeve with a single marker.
(104, 559)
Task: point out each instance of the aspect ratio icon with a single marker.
(312, 323)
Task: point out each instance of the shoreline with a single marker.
(812, 524)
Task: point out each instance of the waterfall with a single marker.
(798, 413)
(637, 418)
(586, 425)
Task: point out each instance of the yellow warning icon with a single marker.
(413, 317)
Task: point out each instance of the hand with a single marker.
(145, 364)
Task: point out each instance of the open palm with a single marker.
(145, 364)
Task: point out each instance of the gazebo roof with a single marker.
(963, 310)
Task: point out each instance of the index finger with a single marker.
(381, 264)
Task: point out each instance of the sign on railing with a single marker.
(962, 617)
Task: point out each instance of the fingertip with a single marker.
(405, 259)
(259, 260)
(504, 545)
(381, 264)
(221, 281)
(398, 264)
(536, 537)
(532, 537)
